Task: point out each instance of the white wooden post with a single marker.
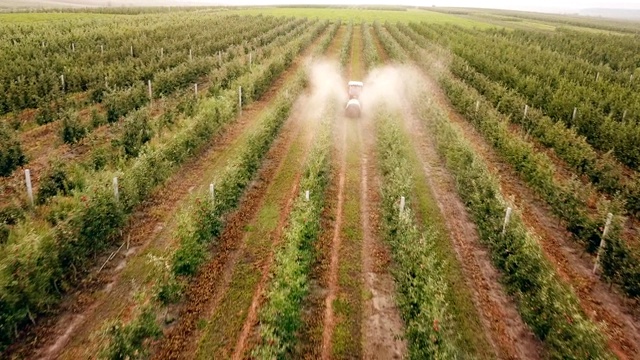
(212, 192)
(240, 97)
(306, 195)
(190, 56)
(250, 60)
(402, 201)
(477, 105)
(101, 49)
(116, 193)
(131, 50)
(602, 242)
(507, 217)
(526, 110)
(62, 81)
(195, 86)
(575, 112)
(27, 177)
(631, 77)
(73, 47)
(150, 90)
(598, 76)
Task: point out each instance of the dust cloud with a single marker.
(326, 86)
(388, 87)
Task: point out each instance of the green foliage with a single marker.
(120, 103)
(137, 132)
(4, 233)
(421, 288)
(169, 291)
(11, 214)
(607, 102)
(99, 158)
(72, 129)
(566, 198)
(46, 115)
(371, 58)
(126, 341)
(55, 182)
(602, 169)
(97, 119)
(11, 155)
(345, 48)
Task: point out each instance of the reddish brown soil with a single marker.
(241, 349)
(603, 305)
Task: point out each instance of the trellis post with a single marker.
(602, 242)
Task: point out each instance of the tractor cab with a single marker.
(355, 88)
(352, 109)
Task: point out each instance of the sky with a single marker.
(535, 5)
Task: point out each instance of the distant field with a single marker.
(355, 15)
(359, 15)
(47, 17)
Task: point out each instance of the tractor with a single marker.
(352, 109)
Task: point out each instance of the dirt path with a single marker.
(329, 320)
(341, 329)
(618, 315)
(97, 298)
(383, 327)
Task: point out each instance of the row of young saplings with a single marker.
(120, 102)
(567, 198)
(603, 112)
(139, 127)
(120, 99)
(121, 84)
(204, 220)
(41, 265)
(603, 171)
(123, 72)
(546, 303)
